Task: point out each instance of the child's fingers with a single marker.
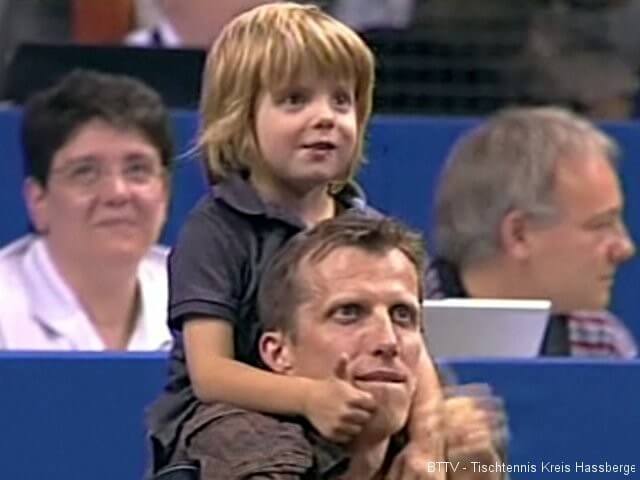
(357, 417)
(341, 370)
(346, 433)
(364, 401)
(340, 438)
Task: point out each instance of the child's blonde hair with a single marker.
(266, 48)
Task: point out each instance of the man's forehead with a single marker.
(591, 177)
(347, 262)
(343, 257)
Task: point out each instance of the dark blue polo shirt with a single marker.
(214, 271)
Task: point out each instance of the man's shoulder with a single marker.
(600, 334)
(246, 443)
(442, 280)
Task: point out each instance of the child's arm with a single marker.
(426, 441)
(427, 389)
(334, 406)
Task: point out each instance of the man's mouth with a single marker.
(387, 376)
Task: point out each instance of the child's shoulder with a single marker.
(215, 210)
(225, 216)
(353, 200)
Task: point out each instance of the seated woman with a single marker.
(98, 152)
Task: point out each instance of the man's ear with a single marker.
(276, 351)
(35, 198)
(515, 234)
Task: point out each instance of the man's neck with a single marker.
(366, 459)
(495, 279)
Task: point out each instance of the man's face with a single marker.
(574, 259)
(363, 306)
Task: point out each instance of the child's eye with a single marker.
(343, 98)
(293, 98)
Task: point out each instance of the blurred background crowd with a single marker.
(436, 57)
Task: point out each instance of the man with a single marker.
(529, 206)
(191, 24)
(341, 300)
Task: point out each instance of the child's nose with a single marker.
(325, 114)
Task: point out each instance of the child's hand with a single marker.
(425, 449)
(476, 430)
(336, 407)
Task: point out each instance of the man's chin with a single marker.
(596, 302)
(393, 400)
(386, 422)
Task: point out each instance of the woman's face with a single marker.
(106, 196)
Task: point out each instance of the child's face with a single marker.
(307, 134)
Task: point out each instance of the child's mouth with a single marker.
(320, 146)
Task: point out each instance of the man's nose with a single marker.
(624, 248)
(384, 337)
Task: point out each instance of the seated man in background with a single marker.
(98, 152)
(187, 24)
(342, 300)
(529, 206)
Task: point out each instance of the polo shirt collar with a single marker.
(238, 193)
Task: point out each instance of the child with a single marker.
(286, 99)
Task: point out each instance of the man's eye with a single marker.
(348, 313)
(404, 315)
(603, 224)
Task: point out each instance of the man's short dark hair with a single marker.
(281, 288)
(53, 115)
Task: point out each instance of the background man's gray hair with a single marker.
(506, 164)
